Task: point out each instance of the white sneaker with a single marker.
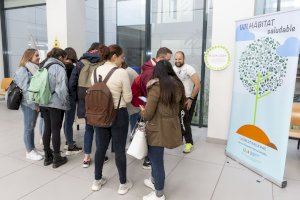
(66, 147)
(33, 155)
(152, 196)
(124, 188)
(97, 184)
(41, 152)
(149, 183)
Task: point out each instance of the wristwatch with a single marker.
(191, 98)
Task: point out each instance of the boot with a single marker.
(48, 157)
(58, 160)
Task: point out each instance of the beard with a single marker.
(179, 64)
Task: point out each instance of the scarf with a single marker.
(32, 68)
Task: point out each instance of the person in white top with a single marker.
(191, 81)
(119, 86)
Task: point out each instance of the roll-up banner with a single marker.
(266, 61)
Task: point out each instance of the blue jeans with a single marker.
(30, 117)
(156, 156)
(88, 139)
(118, 133)
(68, 124)
(133, 119)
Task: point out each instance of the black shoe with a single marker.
(106, 159)
(58, 160)
(146, 164)
(48, 157)
(73, 150)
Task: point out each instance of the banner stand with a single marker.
(281, 184)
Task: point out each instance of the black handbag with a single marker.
(14, 96)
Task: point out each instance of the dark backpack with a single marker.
(14, 96)
(99, 102)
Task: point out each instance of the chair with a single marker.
(295, 121)
(4, 85)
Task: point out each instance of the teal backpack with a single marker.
(39, 88)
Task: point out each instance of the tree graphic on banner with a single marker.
(261, 69)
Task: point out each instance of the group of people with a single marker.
(171, 93)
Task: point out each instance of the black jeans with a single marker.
(118, 132)
(186, 117)
(53, 118)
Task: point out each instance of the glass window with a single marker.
(131, 30)
(178, 24)
(265, 6)
(26, 28)
(18, 3)
(289, 4)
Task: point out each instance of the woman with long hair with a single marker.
(165, 99)
(28, 66)
(119, 86)
(71, 145)
(53, 112)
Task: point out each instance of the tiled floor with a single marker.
(205, 174)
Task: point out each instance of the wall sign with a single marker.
(217, 58)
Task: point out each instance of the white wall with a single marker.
(110, 21)
(225, 14)
(66, 22)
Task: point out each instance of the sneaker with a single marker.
(86, 163)
(33, 155)
(106, 159)
(146, 164)
(66, 146)
(188, 148)
(97, 184)
(152, 196)
(124, 188)
(149, 183)
(75, 150)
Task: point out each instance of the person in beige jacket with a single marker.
(120, 89)
(165, 99)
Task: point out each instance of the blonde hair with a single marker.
(27, 56)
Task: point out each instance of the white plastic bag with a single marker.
(138, 147)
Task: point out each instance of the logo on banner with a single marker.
(217, 58)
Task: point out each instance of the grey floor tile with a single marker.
(291, 192)
(239, 184)
(232, 163)
(137, 175)
(208, 152)
(10, 165)
(25, 181)
(109, 170)
(292, 166)
(111, 194)
(73, 162)
(63, 188)
(192, 180)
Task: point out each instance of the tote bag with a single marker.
(138, 147)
